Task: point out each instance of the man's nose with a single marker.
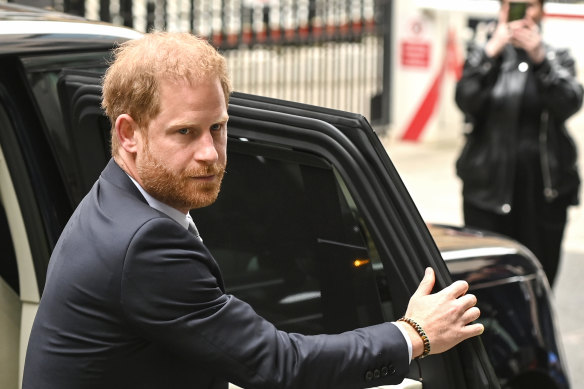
(206, 150)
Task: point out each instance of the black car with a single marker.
(313, 227)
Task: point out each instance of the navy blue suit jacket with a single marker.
(133, 300)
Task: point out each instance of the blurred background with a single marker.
(395, 62)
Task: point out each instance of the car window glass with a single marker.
(43, 74)
(290, 242)
(376, 264)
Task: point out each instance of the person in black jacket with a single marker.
(518, 166)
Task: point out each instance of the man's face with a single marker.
(182, 157)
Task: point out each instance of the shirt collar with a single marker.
(173, 213)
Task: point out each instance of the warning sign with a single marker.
(415, 54)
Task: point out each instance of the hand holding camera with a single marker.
(525, 34)
(517, 27)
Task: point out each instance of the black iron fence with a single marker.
(333, 53)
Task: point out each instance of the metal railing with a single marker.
(332, 53)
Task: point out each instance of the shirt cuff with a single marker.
(408, 341)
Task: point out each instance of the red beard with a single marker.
(179, 189)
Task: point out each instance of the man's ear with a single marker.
(128, 133)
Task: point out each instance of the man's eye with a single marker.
(184, 131)
(216, 127)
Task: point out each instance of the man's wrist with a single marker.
(420, 336)
(493, 49)
(415, 340)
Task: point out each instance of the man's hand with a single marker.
(444, 316)
(501, 36)
(525, 35)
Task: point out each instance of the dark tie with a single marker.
(193, 228)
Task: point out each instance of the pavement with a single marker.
(427, 169)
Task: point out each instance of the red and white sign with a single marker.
(415, 54)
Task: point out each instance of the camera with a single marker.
(517, 10)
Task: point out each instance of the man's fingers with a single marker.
(531, 25)
(456, 289)
(427, 283)
(471, 315)
(467, 301)
(471, 330)
(503, 13)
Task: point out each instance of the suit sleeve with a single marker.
(171, 296)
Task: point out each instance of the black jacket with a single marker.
(489, 93)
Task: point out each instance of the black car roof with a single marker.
(26, 30)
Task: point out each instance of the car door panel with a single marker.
(405, 230)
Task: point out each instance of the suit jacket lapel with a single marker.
(114, 174)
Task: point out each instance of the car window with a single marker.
(290, 242)
(43, 74)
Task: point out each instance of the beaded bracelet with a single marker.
(420, 332)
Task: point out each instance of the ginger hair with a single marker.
(131, 83)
